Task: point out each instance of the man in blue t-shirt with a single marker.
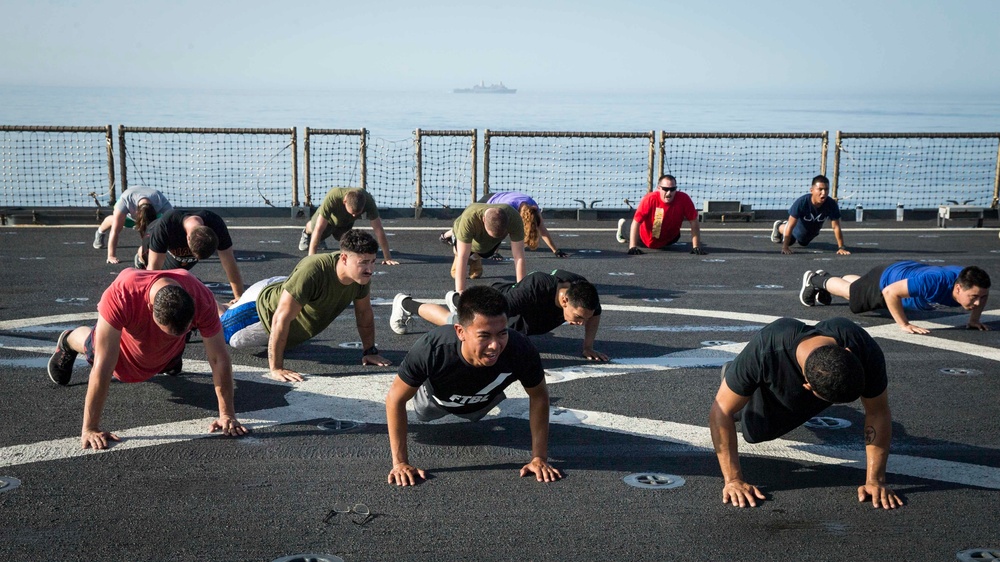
(905, 285)
(806, 216)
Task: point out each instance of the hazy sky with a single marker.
(732, 46)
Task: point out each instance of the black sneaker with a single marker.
(138, 263)
(807, 295)
(823, 296)
(61, 363)
(175, 367)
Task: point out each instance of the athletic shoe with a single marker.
(475, 269)
(304, 241)
(620, 233)
(100, 239)
(450, 300)
(61, 362)
(446, 239)
(399, 317)
(138, 263)
(823, 296)
(497, 256)
(175, 367)
(776, 236)
(807, 295)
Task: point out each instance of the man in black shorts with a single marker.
(180, 239)
(540, 303)
(463, 370)
(789, 373)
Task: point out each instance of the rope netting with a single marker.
(560, 171)
(446, 170)
(919, 172)
(334, 161)
(766, 171)
(392, 172)
(54, 168)
(204, 168)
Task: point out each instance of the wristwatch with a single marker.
(373, 350)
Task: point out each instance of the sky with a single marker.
(722, 46)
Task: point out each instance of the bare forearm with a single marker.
(383, 243)
(520, 268)
(276, 343)
(726, 444)
(590, 331)
(97, 393)
(395, 414)
(365, 320)
(878, 435)
(539, 423)
(895, 306)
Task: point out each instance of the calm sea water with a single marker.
(393, 116)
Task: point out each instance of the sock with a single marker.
(410, 305)
(819, 281)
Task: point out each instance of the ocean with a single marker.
(393, 116)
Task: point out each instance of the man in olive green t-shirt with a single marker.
(336, 215)
(283, 312)
(478, 232)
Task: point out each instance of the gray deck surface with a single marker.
(166, 493)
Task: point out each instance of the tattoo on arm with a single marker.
(869, 435)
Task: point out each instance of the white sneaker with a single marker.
(304, 241)
(449, 301)
(100, 239)
(399, 317)
(776, 236)
(620, 233)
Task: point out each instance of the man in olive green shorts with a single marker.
(283, 312)
(336, 215)
(478, 232)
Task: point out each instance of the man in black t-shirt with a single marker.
(179, 239)
(538, 304)
(463, 370)
(789, 373)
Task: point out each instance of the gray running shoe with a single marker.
(61, 362)
(304, 241)
(807, 295)
(776, 236)
(399, 317)
(620, 233)
(100, 239)
(450, 300)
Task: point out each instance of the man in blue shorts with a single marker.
(905, 285)
(806, 217)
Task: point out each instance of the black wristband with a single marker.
(373, 350)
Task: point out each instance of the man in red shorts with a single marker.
(143, 318)
(657, 220)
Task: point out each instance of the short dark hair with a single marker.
(495, 221)
(820, 179)
(203, 242)
(358, 242)
(583, 293)
(354, 201)
(835, 374)
(666, 177)
(973, 276)
(482, 300)
(174, 308)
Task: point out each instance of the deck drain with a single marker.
(340, 426)
(973, 554)
(823, 422)
(8, 483)
(769, 286)
(654, 480)
(713, 343)
(961, 372)
(310, 558)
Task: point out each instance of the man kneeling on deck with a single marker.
(463, 370)
(283, 312)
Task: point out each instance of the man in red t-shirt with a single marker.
(143, 320)
(657, 220)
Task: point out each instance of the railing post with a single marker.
(123, 154)
(306, 187)
(826, 146)
(486, 165)
(295, 167)
(663, 155)
(652, 158)
(475, 162)
(418, 175)
(836, 167)
(364, 158)
(996, 179)
(109, 135)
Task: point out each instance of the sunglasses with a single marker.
(668, 189)
(344, 509)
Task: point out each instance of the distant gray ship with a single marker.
(482, 88)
